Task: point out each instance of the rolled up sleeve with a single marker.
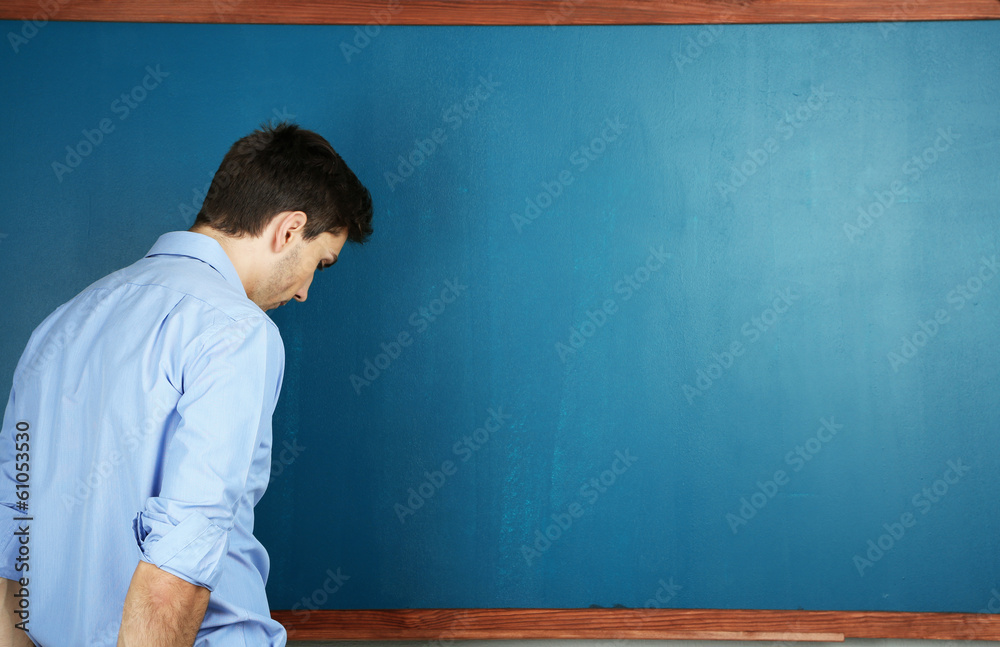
(228, 388)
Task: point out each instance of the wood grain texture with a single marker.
(500, 12)
(688, 624)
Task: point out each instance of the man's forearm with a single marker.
(161, 610)
(10, 635)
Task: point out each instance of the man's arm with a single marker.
(161, 609)
(10, 636)
(229, 384)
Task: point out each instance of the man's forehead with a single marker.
(330, 243)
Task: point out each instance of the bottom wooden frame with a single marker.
(620, 623)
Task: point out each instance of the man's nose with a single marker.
(303, 291)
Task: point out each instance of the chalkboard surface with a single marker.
(698, 317)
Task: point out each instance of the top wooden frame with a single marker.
(500, 12)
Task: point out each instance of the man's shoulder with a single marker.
(184, 294)
(193, 281)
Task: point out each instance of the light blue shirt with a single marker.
(140, 421)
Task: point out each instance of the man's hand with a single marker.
(11, 636)
(161, 609)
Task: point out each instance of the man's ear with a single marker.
(290, 225)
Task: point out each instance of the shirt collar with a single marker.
(204, 248)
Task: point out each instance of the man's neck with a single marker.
(240, 252)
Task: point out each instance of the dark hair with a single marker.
(286, 168)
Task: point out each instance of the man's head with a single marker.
(282, 205)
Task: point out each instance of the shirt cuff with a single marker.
(192, 549)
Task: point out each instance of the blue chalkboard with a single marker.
(674, 316)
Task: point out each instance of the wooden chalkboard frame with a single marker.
(646, 624)
(501, 12)
(477, 624)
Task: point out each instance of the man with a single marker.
(137, 437)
